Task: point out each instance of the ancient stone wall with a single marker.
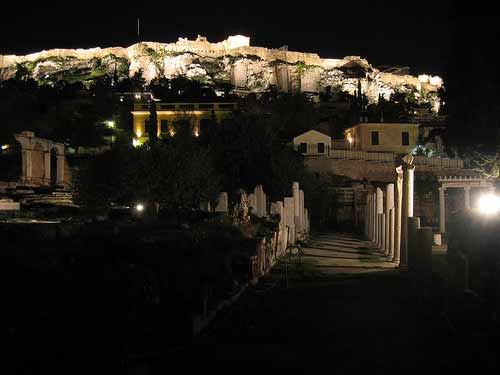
(232, 60)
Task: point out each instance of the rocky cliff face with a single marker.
(249, 69)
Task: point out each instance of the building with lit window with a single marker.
(169, 113)
(382, 137)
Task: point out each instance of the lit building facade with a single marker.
(169, 113)
(382, 137)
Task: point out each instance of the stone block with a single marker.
(222, 205)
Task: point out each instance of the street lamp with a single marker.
(489, 204)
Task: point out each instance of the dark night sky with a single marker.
(385, 32)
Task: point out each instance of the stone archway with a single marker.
(38, 164)
(37, 157)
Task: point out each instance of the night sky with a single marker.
(385, 32)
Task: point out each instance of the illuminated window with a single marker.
(375, 140)
(405, 138)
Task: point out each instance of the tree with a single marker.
(175, 173)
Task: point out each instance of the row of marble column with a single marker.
(389, 221)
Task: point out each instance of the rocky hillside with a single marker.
(249, 69)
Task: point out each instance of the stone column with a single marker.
(260, 201)
(46, 167)
(369, 215)
(27, 166)
(222, 204)
(289, 218)
(367, 203)
(296, 205)
(467, 198)
(413, 227)
(301, 211)
(398, 214)
(442, 210)
(278, 209)
(389, 204)
(383, 230)
(60, 170)
(407, 211)
(380, 211)
(374, 217)
(392, 226)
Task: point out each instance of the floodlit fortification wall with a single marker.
(233, 60)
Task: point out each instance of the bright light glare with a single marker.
(489, 204)
(139, 208)
(136, 142)
(5, 147)
(111, 124)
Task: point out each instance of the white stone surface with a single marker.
(9, 205)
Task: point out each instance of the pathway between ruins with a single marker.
(337, 254)
(351, 310)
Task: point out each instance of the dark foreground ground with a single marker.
(359, 314)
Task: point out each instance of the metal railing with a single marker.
(188, 106)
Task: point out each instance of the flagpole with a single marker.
(138, 30)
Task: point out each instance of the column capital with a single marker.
(442, 188)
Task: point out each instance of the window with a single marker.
(164, 126)
(321, 148)
(405, 138)
(303, 148)
(375, 140)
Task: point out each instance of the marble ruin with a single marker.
(234, 60)
(37, 166)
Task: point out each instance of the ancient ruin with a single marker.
(234, 61)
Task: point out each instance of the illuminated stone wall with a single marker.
(232, 60)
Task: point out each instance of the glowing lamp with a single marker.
(139, 133)
(136, 142)
(111, 124)
(489, 204)
(139, 207)
(5, 147)
(196, 133)
(349, 139)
